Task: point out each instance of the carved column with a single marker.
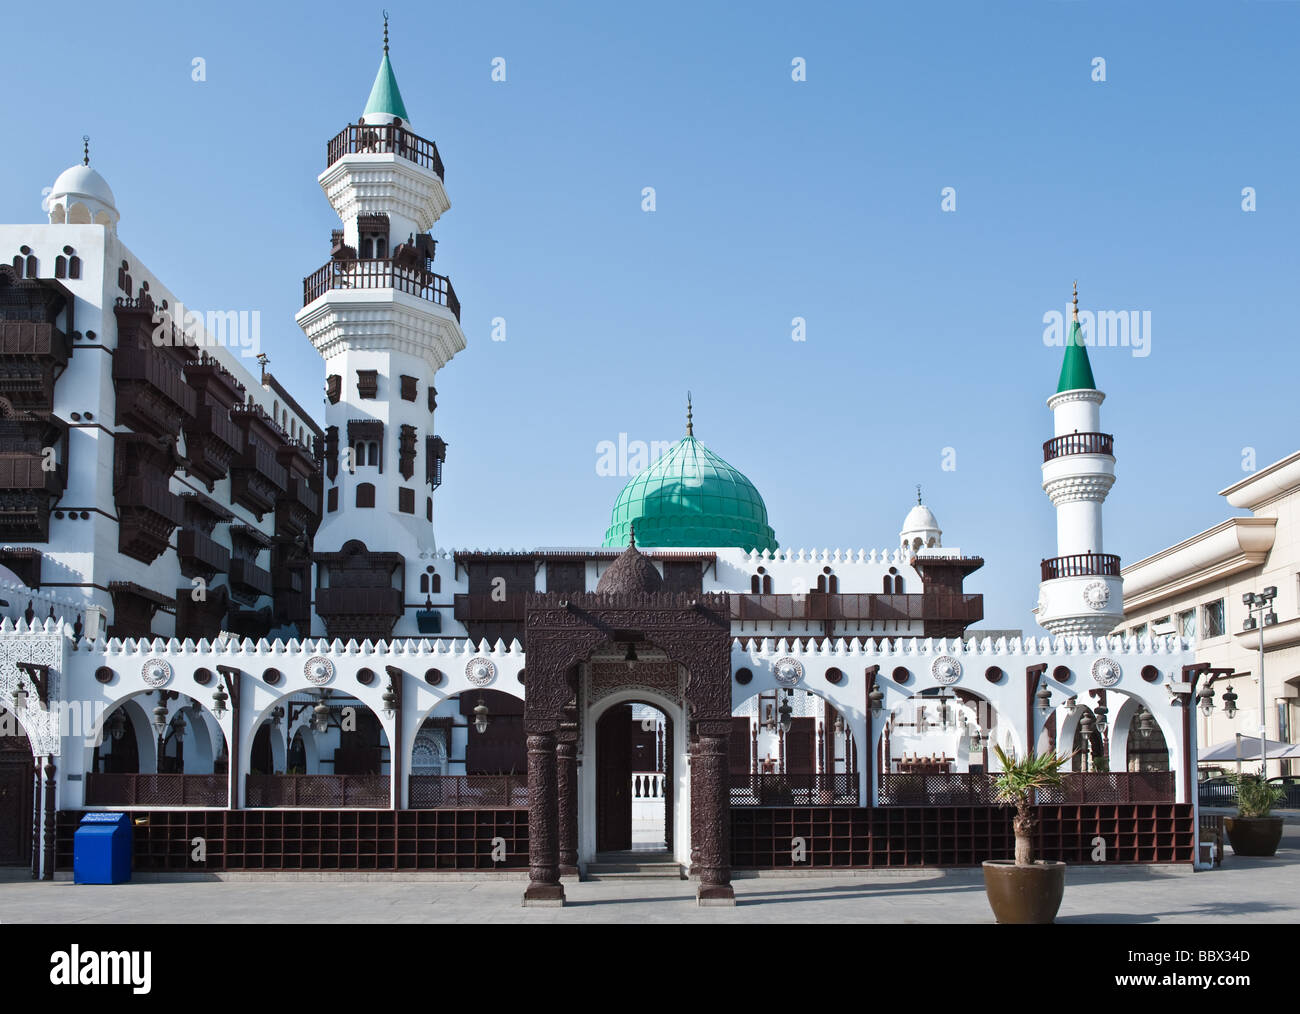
(34, 841)
(566, 762)
(711, 815)
(47, 860)
(544, 887)
(695, 808)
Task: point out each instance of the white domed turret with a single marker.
(920, 528)
(81, 196)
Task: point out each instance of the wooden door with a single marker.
(801, 747)
(15, 811)
(613, 780)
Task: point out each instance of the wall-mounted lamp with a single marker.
(1044, 699)
(480, 716)
(786, 716)
(219, 698)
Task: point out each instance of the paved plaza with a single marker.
(1241, 890)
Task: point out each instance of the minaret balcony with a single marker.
(1078, 443)
(381, 274)
(1081, 565)
(384, 139)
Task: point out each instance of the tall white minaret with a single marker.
(1081, 591)
(385, 323)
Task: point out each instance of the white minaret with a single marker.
(385, 323)
(1081, 591)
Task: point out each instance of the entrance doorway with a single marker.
(17, 770)
(633, 784)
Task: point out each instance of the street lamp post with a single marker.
(1259, 602)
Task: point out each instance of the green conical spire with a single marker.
(385, 96)
(1076, 371)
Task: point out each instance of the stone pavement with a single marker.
(1254, 890)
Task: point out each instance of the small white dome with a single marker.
(85, 190)
(920, 518)
(920, 529)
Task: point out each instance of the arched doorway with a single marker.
(631, 780)
(17, 768)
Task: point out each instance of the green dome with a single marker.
(691, 497)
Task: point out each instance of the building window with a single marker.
(753, 585)
(435, 583)
(332, 499)
(406, 453)
(366, 494)
(334, 388)
(1161, 626)
(367, 383)
(406, 500)
(767, 584)
(1213, 619)
(1187, 624)
(410, 388)
(424, 584)
(1140, 631)
(365, 452)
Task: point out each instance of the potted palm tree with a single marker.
(1023, 890)
(1254, 831)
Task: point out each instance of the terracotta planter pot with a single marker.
(1024, 894)
(1253, 836)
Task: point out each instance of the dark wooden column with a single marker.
(694, 869)
(34, 841)
(544, 887)
(869, 747)
(566, 760)
(232, 677)
(669, 769)
(711, 813)
(47, 862)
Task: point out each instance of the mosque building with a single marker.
(233, 620)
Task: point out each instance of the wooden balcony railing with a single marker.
(965, 789)
(159, 371)
(381, 274)
(794, 790)
(381, 601)
(384, 139)
(1078, 443)
(247, 576)
(195, 546)
(155, 790)
(152, 496)
(432, 792)
(27, 472)
(485, 609)
(866, 607)
(1081, 565)
(322, 791)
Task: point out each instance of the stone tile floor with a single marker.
(1254, 890)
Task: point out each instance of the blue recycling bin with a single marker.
(101, 849)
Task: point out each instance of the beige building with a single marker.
(1195, 589)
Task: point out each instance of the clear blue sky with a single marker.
(775, 199)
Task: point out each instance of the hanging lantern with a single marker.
(1071, 704)
(786, 716)
(1087, 727)
(276, 715)
(20, 698)
(1145, 722)
(839, 724)
(877, 701)
(389, 700)
(480, 716)
(320, 716)
(1101, 711)
(1206, 695)
(219, 698)
(117, 725)
(1229, 703)
(1044, 699)
(160, 719)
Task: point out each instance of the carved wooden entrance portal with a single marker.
(564, 631)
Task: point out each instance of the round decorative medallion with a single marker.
(480, 671)
(788, 671)
(1106, 672)
(945, 669)
(156, 672)
(319, 670)
(1096, 594)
